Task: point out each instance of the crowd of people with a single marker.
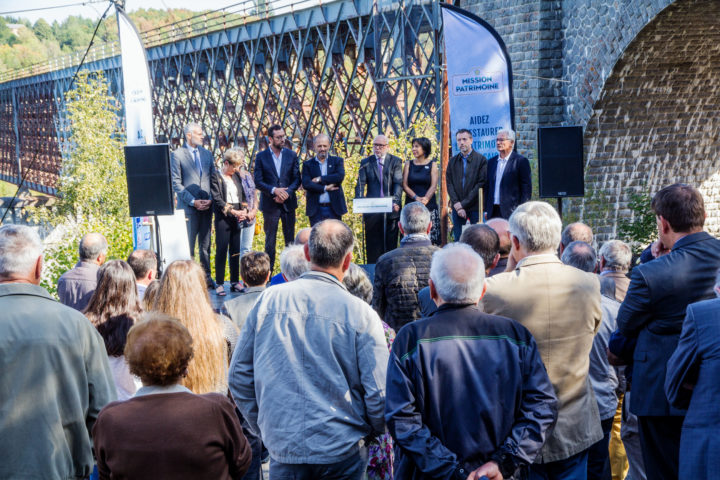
(518, 351)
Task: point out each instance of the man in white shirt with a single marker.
(509, 181)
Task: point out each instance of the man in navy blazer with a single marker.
(653, 312)
(277, 176)
(380, 175)
(509, 183)
(322, 178)
(192, 169)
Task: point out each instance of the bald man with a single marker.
(322, 178)
(380, 175)
(502, 228)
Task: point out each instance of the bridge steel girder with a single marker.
(348, 68)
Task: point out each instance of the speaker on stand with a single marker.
(560, 163)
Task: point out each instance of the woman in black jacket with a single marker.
(230, 208)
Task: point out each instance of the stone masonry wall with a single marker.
(657, 121)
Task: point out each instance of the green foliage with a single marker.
(43, 30)
(92, 192)
(640, 228)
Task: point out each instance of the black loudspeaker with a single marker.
(148, 180)
(560, 162)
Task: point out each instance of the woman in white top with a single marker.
(230, 211)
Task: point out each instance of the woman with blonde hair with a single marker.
(183, 295)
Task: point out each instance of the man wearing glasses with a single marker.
(277, 176)
(509, 181)
(380, 175)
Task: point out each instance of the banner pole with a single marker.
(444, 153)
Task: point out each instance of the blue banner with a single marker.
(479, 79)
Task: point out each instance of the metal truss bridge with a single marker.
(349, 68)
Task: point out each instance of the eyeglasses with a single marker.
(379, 145)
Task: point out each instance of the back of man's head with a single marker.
(142, 262)
(302, 236)
(293, 262)
(483, 240)
(415, 218)
(330, 242)
(458, 274)
(537, 226)
(617, 256)
(255, 268)
(20, 248)
(681, 206)
(580, 255)
(502, 228)
(92, 246)
(577, 231)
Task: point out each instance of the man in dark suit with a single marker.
(509, 181)
(277, 176)
(192, 169)
(653, 312)
(322, 178)
(380, 175)
(466, 175)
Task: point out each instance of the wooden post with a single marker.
(445, 153)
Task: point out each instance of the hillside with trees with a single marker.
(23, 43)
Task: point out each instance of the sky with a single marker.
(94, 11)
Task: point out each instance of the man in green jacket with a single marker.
(55, 373)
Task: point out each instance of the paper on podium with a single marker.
(372, 205)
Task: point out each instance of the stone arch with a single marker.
(657, 120)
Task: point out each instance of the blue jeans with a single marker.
(573, 468)
(599, 454)
(352, 468)
(459, 222)
(246, 239)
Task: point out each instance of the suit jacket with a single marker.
(475, 179)
(218, 188)
(696, 361)
(266, 178)
(392, 180)
(187, 183)
(515, 186)
(335, 175)
(654, 309)
(560, 305)
(620, 282)
(239, 307)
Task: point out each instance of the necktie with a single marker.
(380, 171)
(198, 166)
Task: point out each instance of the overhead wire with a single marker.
(52, 7)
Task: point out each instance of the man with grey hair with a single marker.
(310, 363)
(615, 259)
(55, 372)
(502, 228)
(401, 273)
(76, 286)
(508, 178)
(465, 424)
(293, 262)
(603, 376)
(560, 305)
(322, 178)
(576, 231)
(192, 169)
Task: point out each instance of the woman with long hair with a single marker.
(183, 295)
(420, 180)
(115, 294)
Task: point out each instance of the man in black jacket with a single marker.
(322, 178)
(380, 175)
(277, 176)
(509, 182)
(446, 408)
(466, 175)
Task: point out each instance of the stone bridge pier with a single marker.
(642, 77)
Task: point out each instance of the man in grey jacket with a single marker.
(308, 372)
(255, 272)
(192, 168)
(55, 373)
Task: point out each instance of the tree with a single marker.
(43, 30)
(92, 191)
